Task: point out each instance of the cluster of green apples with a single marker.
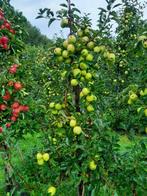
(56, 107)
(77, 130)
(41, 158)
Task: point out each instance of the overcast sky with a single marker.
(30, 9)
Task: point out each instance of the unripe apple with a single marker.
(129, 101)
(145, 44)
(71, 48)
(83, 65)
(52, 105)
(83, 72)
(71, 39)
(111, 57)
(68, 60)
(97, 49)
(58, 51)
(72, 123)
(76, 72)
(65, 43)
(77, 130)
(84, 52)
(39, 156)
(88, 76)
(80, 33)
(54, 112)
(92, 165)
(74, 82)
(65, 54)
(90, 98)
(58, 106)
(89, 57)
(60, 59)
(85, 39)
(87, 31)
(64, 23)
(133, 96)
(85, 91)
(46, 156)
(52, 190)
(90, 108)
(90, 45)
(40, 161)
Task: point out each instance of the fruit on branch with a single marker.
(73, 123)
(64, 22)
(58, 51)
(17, 86)
(52, 190)
(74, 82)
(71, 39)
(92, 165)
(46, 156)
(77, 130)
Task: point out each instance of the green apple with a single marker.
(89, 57)
(83, 72)
(39, 156)
(74, 82)
(145, 44)
(90, 98)
(54, 112)
(80, 33)
(85, 39)
(83, 65)
(87, 31)
(68, 60)
(90, 108)
(76, 72)
(52, 105)
(77, 130)
(133, 96)
(40, 161)
(46, 156)
(52, 190)
(58, 51)
(64, 23)
(111, 57)
(90, 45)
(88, 76)
(84, 52)
(71, 39)
(85, 91)
(58, 106)
(71, 48)
(72, 123)
(97, 49)
(60, 59)
(65, 54)
(92, 165)
(65, 43)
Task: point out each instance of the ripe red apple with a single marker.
(4, 40)
(15, 105)
(13, 118)
(12, 69)
(17, 86)
(3, 107)
(7, 96)
(8, 125)
(1, 129)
